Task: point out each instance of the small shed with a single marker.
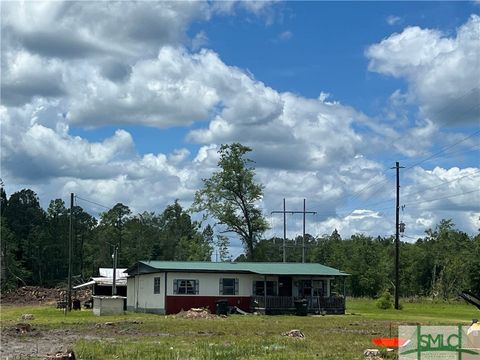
(108, 305)
(102, 284)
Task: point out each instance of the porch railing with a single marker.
(315, 303)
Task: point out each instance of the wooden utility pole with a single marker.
(284, 212)
(397, 238)
(70, 241)
(114, 282)
(303, 234)
(284, 233)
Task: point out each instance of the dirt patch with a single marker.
(30, 295)
(37, 342)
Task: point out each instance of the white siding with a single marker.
(131, 292)
(140, 292)
(209, 283)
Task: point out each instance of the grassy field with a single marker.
(144, 336)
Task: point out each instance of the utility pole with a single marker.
(70, 237)
(114, 284)
(397, 237)
(285, 212)
(303, 234)
(284, 232)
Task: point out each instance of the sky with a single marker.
(130, 101)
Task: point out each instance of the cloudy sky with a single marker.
(129, 102)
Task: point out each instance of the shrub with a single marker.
(385, 301)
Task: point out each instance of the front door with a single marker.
(285, 286)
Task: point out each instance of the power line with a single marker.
(91, 202)
(424, 190)
(356, 194)
(441, 198)
(443, 150)
(442, 110)
(443, 183)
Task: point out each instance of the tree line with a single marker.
(35, 241)
(34, 246)
(441, 264)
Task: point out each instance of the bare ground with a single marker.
(37, 343)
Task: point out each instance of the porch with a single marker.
(271, 305)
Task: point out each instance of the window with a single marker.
(311, 288)
(318, 288)
(228, 286)
(305, 287)
(188, 287)
(258, 288)
(156, 285)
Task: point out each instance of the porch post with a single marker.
(137, 283)
(265, 293)
(165, 295)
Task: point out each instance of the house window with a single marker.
(318, 287)
(156, 285)
(311, 288)
(305, 288)
(228, 286)
(188, 287)
(259, 286)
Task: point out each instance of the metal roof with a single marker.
(239, 267)
(108, 272)
(103, 281)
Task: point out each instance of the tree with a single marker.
(222, 243)
(112, 229)
(26, 220)
(83, 228)
(230, 195)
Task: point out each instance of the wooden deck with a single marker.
(286, 304)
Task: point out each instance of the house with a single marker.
(102, 284)
(167, 287)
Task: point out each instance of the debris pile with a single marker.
(23, 328)
(196, 313)
(373, 354)
(295, 334)
(60, 355)
(106, 324)
(40, 295)
(25, 317)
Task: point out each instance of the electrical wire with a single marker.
(443, 150)
(441, 198)
(421, 191)
(91, 202)
(442, 110)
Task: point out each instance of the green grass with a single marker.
(145, 336)
(425, 312)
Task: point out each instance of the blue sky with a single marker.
(109, 100)
(323, 50)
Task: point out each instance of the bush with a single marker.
(385, 301)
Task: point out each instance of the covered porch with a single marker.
(271, 305)
(279, 294)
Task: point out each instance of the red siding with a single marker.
(176, 303)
